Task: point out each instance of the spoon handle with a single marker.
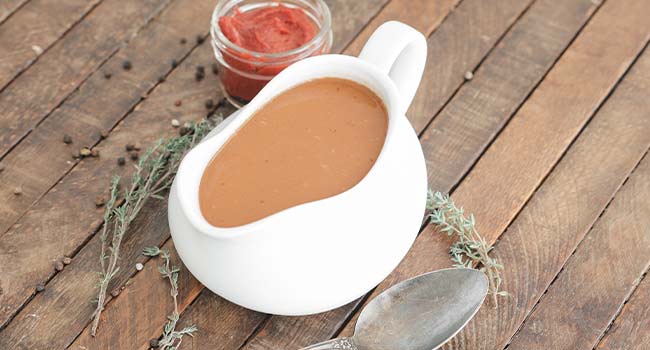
(334, 344)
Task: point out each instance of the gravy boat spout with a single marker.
(322, 254)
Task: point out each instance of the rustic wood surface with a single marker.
(546, 144)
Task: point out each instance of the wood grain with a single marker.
(584, 181)
(503, 180)
(8, 7)
(465, 38)
(546, 232)
(222, 324)
(555, 112)
(32, 96)
(66, 218)
(349, 17)
(541, 239)
(30, 31)
(41, 159)
(630, 329)
(601, 274)
(528, 51)
(423, 15)
(473, 118)
(149, 120)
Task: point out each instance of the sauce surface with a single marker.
(269, 29)
(310, 142)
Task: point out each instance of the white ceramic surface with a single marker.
(320, 255)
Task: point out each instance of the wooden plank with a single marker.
(149, 120)
(349, 17)
(473, 118)
(528, 51)
(465, 38)
(423, 15)
(150, 292)
(630, 329)
(98, 105)
(549, 228)
(32, 96)
(109, 100)
(48, 220)
(8, 7)
(540, 132)
(601, 275)
(33, 29)
(222, 325)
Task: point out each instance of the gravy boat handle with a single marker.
(399, 51)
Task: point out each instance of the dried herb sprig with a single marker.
(171, 338)
(470, 250)
(153, 175)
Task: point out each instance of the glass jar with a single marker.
(242, 72)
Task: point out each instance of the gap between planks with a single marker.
(18, 63)
(11, 6)
(629, 330)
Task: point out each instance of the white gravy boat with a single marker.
(316, 256)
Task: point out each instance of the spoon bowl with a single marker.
(421, 313)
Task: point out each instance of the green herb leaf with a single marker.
(470, 250)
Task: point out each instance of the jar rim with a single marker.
(219, 38)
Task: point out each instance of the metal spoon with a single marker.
(421, 313)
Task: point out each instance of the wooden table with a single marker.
(545, 145)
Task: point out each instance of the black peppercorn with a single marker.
(127, 65)
(200, 39)
(121, 161)
(174, 63)
(209, 104)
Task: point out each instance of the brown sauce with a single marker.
(310, 142)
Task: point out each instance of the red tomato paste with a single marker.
(271, 30)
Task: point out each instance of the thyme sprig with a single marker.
(153, 175)
(470, 250)
(171, 338)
